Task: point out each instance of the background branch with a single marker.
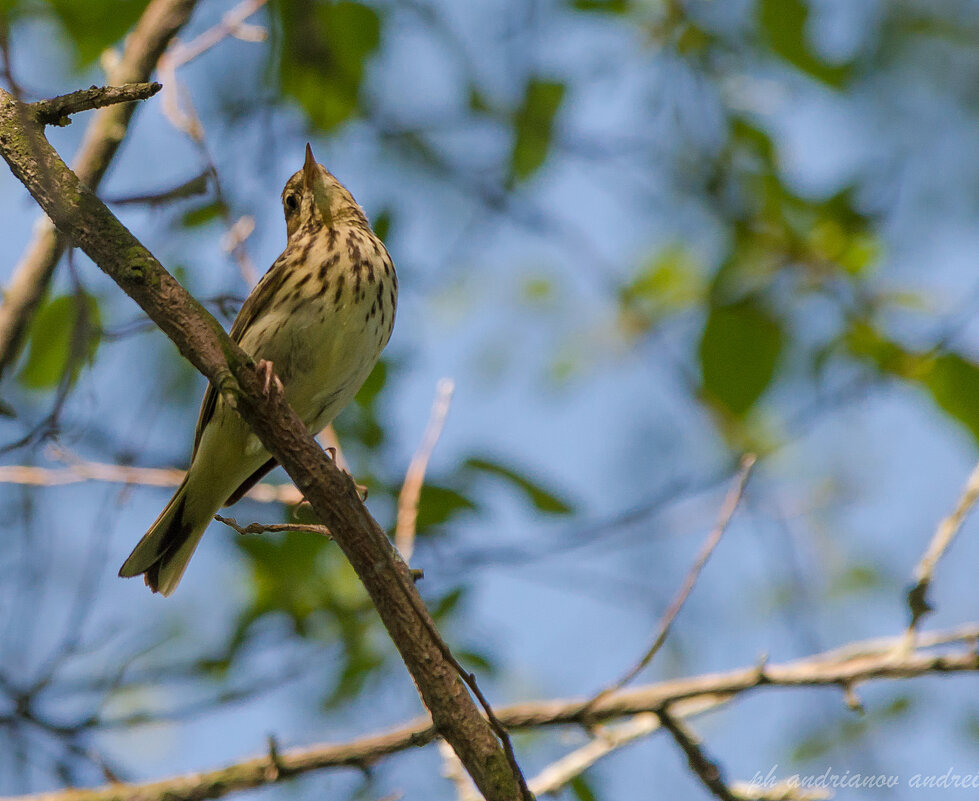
(78, 471)
(411, 489)
(728, 508)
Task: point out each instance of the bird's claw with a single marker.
(269, 379)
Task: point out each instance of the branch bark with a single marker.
(58, 110)
(855, 663)
(144, 46)
(89, 225)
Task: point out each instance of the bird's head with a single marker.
(314, 198)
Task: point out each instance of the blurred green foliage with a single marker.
(783, 23)
(739, 352)
(324, 53)
(63, 337)
(96, 26)
(533, 126)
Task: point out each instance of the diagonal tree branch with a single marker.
(858, 662)
(482, 745)
(58, 110)
(144, 46)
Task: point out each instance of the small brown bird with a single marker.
(321, 316)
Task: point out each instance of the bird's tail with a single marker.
(163, 553)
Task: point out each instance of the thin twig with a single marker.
(191, 188)
(404, 532)
(58, 110)
(274, 528)
(940, 542)
(727, 511)
(707, 769)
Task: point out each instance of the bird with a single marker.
(316, 324)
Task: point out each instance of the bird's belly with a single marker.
(322, 354)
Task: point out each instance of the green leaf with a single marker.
(605, 6)
(856, 578)
(953, 382)
(478, 102)
(476, 660)
(447, 604)
(95, 25)
(739, 352)
(382, 224)
(283, 568)
(325, 48)
(669, 282)
(543, 499)
(784, 25)
(437, 505)
(533, 125)
(64, 334)
(203, 214)
(582, 789)
(371, 389)
(951, 379)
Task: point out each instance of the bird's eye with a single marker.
(292, 202)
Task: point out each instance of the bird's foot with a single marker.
(269, 379)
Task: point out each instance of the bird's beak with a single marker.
(314, 184)
(309, 170)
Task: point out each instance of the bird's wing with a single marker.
(254, 305)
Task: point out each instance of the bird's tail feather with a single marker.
(164, 551)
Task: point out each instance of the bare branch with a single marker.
(727, 512)
(868, 661)
(411, 490)
(58, 110)
(940, 542)
(159, 23)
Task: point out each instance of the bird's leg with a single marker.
(269, 379)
